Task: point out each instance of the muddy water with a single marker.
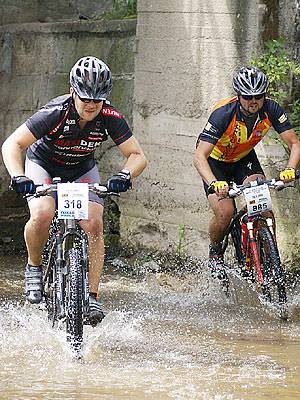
(164, 337)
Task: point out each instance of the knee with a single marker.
(94, 227)
(224, 216)
(42, 218)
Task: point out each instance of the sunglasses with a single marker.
(96, 101)
(250, 96)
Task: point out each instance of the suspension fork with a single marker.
(59, 264)
(270, 225)
(85, 271)
(62, 237)
(254, 251)
(69, 237)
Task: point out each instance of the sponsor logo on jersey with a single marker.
(70, 121)
(282, 118)
(97, 133)
(111, 112)
(66, 129)
(90, 145)
(62, 142)
(210, 128)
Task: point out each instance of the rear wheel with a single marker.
(273, 288)
(74, 294)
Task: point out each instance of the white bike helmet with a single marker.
(250, 81)
(91, 78)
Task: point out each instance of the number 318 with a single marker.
(73, 204)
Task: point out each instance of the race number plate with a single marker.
(258, 199)
(72, 199)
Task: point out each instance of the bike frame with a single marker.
(249, 227)
(66, 233)
(65, 281)
(252, 229)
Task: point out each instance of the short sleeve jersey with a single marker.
(227, 129)
(62, 147)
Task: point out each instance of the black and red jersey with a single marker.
(65, 149)
(227, 128)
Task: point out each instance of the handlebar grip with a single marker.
(211, 190)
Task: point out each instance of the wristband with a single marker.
(126, 172)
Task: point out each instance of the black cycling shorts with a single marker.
(235, 172)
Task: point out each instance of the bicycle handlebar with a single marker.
(236, 190)
(100, 190)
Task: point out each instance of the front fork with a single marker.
(62, 271)
(252, 250)
(60, 281)
(85, 277)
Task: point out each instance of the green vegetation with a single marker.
(282, 72)
(122, 9)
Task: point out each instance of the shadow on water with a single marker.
(166, 336)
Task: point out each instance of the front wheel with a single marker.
(74, 294)
(273, 288)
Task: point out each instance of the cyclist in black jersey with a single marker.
(61, 139)
(225, 149)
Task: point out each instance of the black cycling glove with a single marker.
(23, 185)
(119, 182)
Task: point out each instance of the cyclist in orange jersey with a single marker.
(225, 150)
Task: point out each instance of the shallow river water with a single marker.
(164, 337)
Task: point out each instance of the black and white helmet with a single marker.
(250, 81)
(91, 78)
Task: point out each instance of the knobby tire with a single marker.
(273, 288)
(74, 294)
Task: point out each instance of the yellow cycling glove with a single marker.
(287, 174)
(218, 185)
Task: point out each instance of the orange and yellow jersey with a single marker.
(227, 128)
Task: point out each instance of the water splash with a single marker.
(166, 336)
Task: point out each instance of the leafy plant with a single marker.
(122, 9)
(282, 72)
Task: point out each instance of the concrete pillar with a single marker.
(187, 51)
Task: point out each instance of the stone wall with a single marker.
(35, 60)
(22, 11)
(187, 52)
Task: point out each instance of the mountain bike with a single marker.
(65, 258)
(252, 231)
